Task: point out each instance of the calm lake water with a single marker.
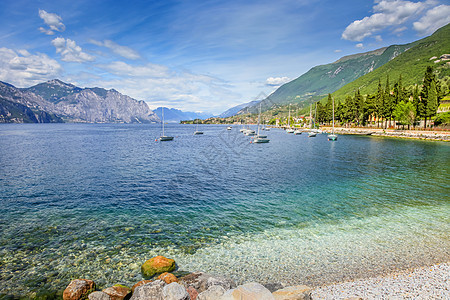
(96, 200)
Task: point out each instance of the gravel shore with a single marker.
(422, 283)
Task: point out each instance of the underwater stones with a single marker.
(99, 296)
(248, 291)
(118, 292)
(157, 265)
(168, 278)
(212, 293)
(142, 282)
(175, 291)
(78, 289)
(152, 290)
(297, 292)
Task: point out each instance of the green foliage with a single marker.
(405, 112)
(442, 119)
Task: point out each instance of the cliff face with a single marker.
(56, 100)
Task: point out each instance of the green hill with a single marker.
(411, 65)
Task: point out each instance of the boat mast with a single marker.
(333, 116)
(289, 118)
(163, 119)
(310, 116)
(259, 117)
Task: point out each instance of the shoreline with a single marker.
(409, 134)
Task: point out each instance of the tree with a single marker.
(388, 102)
(329, 109)
(416, 103)
(379, 102)
(405, 113)
(430, 95)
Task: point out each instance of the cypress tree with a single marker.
(388, 103)
(416, 104)
(379, 102)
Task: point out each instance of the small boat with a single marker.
(229, 128)
(290, 130)
(163, 137)
(258, 138)
(332, 136)
(250, 132)
(297, 132)
(312, 134)
(197, 132)
(266, 128)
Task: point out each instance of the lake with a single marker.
(97, 200)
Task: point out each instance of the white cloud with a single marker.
(149, 70)
(378, 38)
(434, 18)
(118, 49)
(337, 51)
(386, 13)
(69, 51)
(53, 21)
(24, 69)
(360, 45)
(399, 29)
(277, 81)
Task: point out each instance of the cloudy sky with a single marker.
(197, 55)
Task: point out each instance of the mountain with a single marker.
(410, 64)
(239, 109)
(173, 115)
(324, 79)
(73, 104)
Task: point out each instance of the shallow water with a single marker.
(96, 200)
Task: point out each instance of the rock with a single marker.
(142, 282)
(78, 289)
(152, 290)
(202, 281)
(175, 291)
(272, 287)
(192, 292)
(168, 277)
(297, 292)
(156, 265)
(99, 296)
(212, 293)
(248, 291)
(118, 292)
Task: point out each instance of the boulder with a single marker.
(118, 292)
(152, 290)
(175, 291)
(212, 293)
(248, 291)
(157, 265)
(99, 296)
(78, 289)
(202, 281)
(297, 292)
(142, 282)
(168, 277)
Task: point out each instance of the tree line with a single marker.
(404, 105)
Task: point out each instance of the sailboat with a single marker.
(311, 133)
(288, 129)
(196, 132)
(259, 139)
(163, 138)
(332, 136)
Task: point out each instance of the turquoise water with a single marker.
(96, 200)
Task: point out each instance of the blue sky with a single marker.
(198, 55)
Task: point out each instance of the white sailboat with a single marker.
(311, 133)
(289, 129)
(197, 132)
(332, 136)
(259, 139)
(163, 137)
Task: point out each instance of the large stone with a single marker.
(168, 277)
(152, 290)
(192, 292)
(142, 282)
(297, 292)
(248, 291)
(99, 296)
(212, 293)
(78, 289)
(175, 291)
(157, 265)
(118, 292)
(202, 281)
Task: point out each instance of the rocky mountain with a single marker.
(73, 104)
(173, 115)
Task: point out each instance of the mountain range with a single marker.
(173, 115)
(57, 101)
